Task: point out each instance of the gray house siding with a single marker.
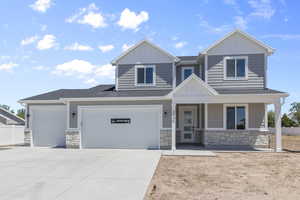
(126, 77)
(197, 71)
(256, 72)
(166, 115)
(256, 115)
(215, 116)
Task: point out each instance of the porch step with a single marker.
(188, 153)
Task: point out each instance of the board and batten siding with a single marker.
(256, 115)
(256, 72)
(163, 77)
(166, 115)
(197, 71)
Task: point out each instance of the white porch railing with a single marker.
(11, 134)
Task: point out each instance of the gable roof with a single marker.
(199, 80)
(269, 49)
(114, 61)
(11, 116)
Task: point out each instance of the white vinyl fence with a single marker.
(288, 131)
(11, 134)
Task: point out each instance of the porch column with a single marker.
(173, 126)
(278, 142)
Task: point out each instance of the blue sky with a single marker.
(54, 44)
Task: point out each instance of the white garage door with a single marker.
(120, 126)
(48, 125)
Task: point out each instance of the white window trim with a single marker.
(225, 68)
(154, 75)
(182, 72)
(225, 116)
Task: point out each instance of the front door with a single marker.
(188, 115)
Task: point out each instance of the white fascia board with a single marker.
(40, 101)
(269, 49)
(115, 61)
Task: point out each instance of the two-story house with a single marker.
(218, 97)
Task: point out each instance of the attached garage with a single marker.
(48, 125)
(120, 126)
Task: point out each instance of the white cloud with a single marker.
(74, 67)
(214, 29)
(88, 16)
(179, 45)
(262, 8)
(286, 19)
(240, 22)
(8, 67)
(40, 68)
(174, 38)
(29, 40)
(47, 42)
(85, 70)
(41, 5)
(234, 4)
(107, 71)
(106, 48)
(131, 20)
(126, 46)
(91, 82)
(78, 47)
(283, 36)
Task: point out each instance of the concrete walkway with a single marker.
(179, 152)
(41, 173)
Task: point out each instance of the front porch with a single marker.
(203, 117)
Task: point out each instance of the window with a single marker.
(235, 67)
(145, 74)
(186, 72)
(236, 117)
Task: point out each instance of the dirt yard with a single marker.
(289, 143)
(229, 176)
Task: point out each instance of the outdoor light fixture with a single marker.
(27, 115)
(73, 114)
(165, 113)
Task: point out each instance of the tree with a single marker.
(295, 112)
(21, 113)
(287, 122)
(6, 107)
(271, 119)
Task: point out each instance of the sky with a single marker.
(54, 44)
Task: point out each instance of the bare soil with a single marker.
(229, 176)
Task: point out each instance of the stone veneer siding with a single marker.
(236, 137)
(73, 139)
(165, 138)
(27, 137)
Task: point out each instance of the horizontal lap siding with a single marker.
(126, 77)
(215, 115)
(256, 115)
(255, 72)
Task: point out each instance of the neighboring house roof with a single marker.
(98, 91)
(187, 58)
(140, 43)
(269, 49)
(11, 116)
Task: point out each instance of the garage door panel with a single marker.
(48, 124)
(142, 132)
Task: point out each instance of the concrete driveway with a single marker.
(42, 173)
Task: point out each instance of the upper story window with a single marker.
(144, 75)
(236, 68)
(236, 117)
(186, 72)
